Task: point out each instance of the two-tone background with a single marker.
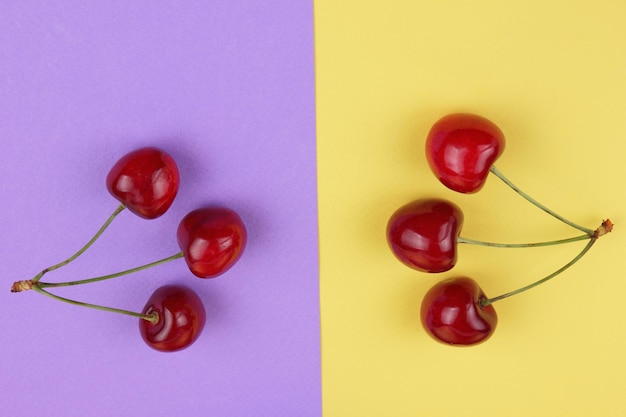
(308, 118)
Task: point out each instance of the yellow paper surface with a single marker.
(552, 75)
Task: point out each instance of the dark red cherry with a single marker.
(451, 313)
(212, 240)
(461, 148)
(423, 234)
(181, 318)
(145, 181)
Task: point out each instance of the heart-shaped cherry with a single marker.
(145, 181)
(423, 234)
(180, 318)
(452, 313)
(461, 148)
(212, 240)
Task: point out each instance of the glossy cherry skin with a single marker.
(212, 240)
(461, 148)
(451, 313)
(145, 181)
(423, 234)
(181, 318)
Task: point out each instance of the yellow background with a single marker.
(552, 75)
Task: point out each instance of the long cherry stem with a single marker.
(486, 302)
(461, 239)
(110, 276)
(29, 284)
(153, 317)
(95, 237)
(531, 200)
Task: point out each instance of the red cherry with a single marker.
(212, 240)
(452, 314)
(461, 148)
(181, 318)
(423, 234)
(145, 181)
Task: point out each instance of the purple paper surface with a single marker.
(227, 88)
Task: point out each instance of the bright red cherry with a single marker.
(181, 318)
(423, 234)
(451, 313)
(212, 240)
(461, 148)
(145, 181)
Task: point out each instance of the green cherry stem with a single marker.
(110, 276)
(531, 200)
(153, 317)
(95, 237)
(30, 284)
(461, 239)
(485, 302)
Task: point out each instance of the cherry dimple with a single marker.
(452, 313)
(180, 318)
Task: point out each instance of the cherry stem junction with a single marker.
(95, 237)
(461, 239)
(531, 200)
(153, 317)
(486, 301)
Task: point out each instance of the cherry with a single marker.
(180, 318)
(452, 312)
(145, 181)
(461, 148)
(212, 240)
(423, 234)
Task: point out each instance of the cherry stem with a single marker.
(105, 277)
(531, 200)
(461, 239)
(153, 317)
(95, 237)
(486, 301)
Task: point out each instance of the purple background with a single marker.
(227, 87)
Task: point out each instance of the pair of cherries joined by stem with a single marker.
(211, 240)
(461, 150)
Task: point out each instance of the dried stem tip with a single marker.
(604, 228)
(19, 286)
